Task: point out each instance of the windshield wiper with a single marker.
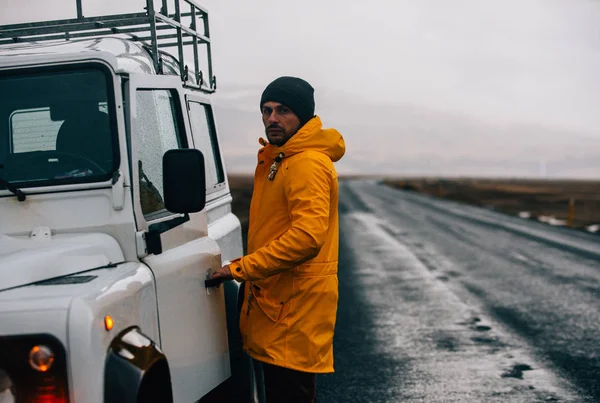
(13, 189)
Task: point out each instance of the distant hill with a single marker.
(412, 140)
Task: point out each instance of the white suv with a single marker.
(114, 210)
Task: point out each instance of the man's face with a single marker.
(280, 123)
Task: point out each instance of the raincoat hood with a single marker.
(310, 137)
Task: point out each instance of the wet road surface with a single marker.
(441, 302)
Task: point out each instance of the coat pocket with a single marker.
(270, 306)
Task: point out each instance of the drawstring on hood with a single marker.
(273, 169)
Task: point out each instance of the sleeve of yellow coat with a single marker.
(308, 191)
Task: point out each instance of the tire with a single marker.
(156, 385)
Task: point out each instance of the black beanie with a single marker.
(293, 92)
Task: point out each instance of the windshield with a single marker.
(55, 128)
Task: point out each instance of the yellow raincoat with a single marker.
(289, 313)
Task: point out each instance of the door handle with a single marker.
(213, 282)
(210, 282)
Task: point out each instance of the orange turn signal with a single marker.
(108, 322)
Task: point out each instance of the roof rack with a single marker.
(155, 29)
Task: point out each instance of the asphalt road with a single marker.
(441, 302)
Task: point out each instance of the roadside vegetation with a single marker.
(568, 203)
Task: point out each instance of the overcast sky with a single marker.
(508, 61)
(531, 60)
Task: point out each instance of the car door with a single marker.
(192, 321)
(223, 226)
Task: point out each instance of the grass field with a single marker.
(556, 202)
(572, 203)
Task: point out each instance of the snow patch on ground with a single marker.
(594, 228)
(525, 214)
(551, 220)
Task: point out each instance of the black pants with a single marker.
(284, 385)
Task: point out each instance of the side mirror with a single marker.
(184, 183)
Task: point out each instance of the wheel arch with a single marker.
(136, 370)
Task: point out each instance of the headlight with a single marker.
(33, 368)
(41, 358)
(8, 392)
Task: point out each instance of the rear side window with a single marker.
(205, 138)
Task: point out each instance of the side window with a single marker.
(156, 131)
(203, 130)
(33, 130)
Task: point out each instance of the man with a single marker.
(290, 271)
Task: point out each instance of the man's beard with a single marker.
(277, 137)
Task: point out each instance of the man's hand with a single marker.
(223, 273)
